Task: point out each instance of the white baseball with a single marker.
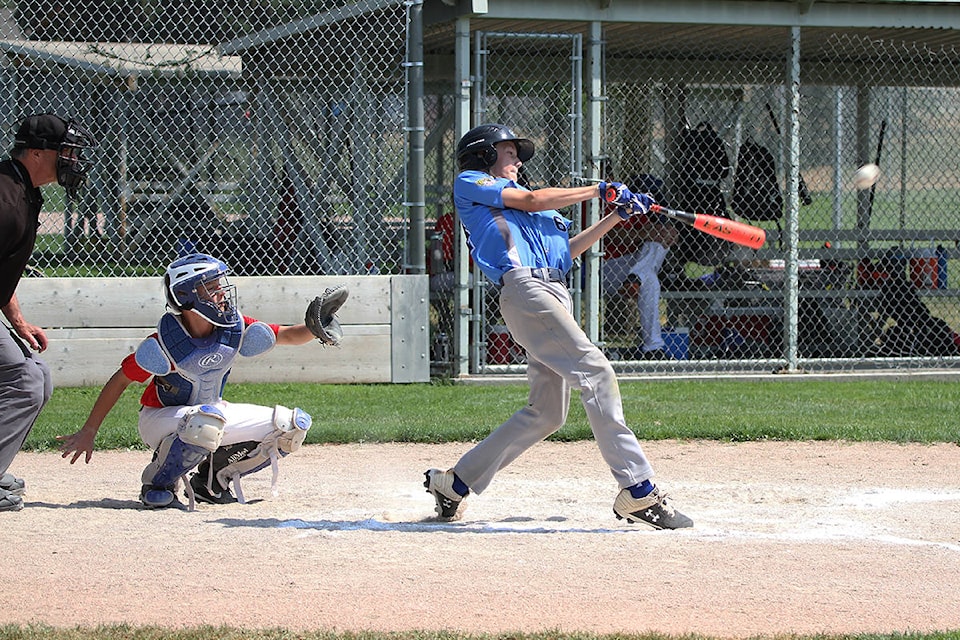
(866, 176)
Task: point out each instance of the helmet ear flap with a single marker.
(489, 156)
(479, 160)
(168, 294)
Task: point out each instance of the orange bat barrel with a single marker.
(723, 228)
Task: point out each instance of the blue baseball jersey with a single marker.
(502, 239)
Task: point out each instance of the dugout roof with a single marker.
(711, 30)
(121, 60)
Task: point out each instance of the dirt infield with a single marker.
(789, 538)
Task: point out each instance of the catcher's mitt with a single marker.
(320, 317)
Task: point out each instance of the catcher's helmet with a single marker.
(198, 283)
(49, 131)
(477, 150)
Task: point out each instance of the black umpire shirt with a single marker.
(20, 204)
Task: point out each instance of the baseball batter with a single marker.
(522, 245)
(184, 417)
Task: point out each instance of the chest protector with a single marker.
(201, 366)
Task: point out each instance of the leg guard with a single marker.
(290, 430)
(171, 460)
(198, 435)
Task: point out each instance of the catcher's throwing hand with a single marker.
(320, 317)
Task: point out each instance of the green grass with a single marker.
(903, 410)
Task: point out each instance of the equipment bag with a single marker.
(701, 166)
(756, 189)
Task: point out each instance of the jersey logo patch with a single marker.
(560, 222)
(485, 181)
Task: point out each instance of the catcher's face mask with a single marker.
(216, 300)
(198, 283)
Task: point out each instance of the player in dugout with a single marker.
(183, 416)
(522, 245)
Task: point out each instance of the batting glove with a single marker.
(615, 193)
(641, 203)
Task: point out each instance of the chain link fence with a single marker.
(271, 134)
(275, 134)
(709, 133)
(874, 265)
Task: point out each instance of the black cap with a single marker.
(41, 131)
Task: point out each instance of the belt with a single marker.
(547, 274)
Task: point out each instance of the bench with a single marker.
(845, 249)
(848, 315)
(847, 244)
(93, 323)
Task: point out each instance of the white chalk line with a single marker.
(835, 522)
(880, 498)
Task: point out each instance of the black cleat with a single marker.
(10, 501)
(12, 484)
(203, 494)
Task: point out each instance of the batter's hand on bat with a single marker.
(615, 193)
(641, 203)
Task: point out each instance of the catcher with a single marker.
(183, 416)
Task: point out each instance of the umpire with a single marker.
(46, 149)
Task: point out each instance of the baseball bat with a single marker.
(865, 213)
(723, 228)
(876, 161)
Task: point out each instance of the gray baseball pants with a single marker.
(25, 387)
(560, 357)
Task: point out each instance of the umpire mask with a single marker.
(69, 139)
(72, 164)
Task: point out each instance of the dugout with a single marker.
(825, 85)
